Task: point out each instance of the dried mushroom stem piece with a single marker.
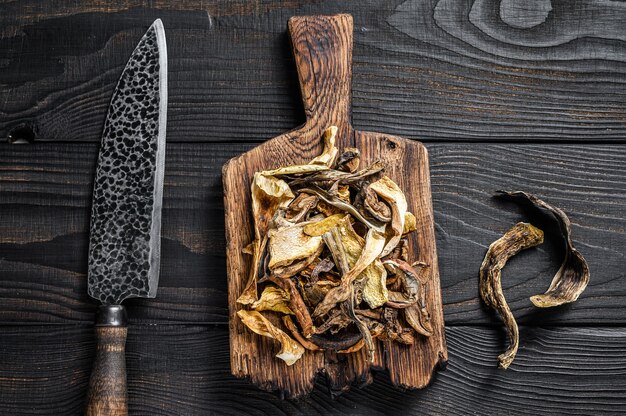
(296, 304)
(290, 350)
(573, 276)
(348, 308)
(521, 236)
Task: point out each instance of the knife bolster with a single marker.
(111, 315)
(107, 386)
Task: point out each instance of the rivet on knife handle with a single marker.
(107, 385)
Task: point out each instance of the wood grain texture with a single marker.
(107, 394)
(433, 70)
(45, 195)
(323, 55)
(184, 370)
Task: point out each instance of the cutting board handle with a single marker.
(322, 46)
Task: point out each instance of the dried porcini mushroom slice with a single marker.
(326, 238)
(376, 208)
(288, 245)
(521, 236)
(573, 276)
(349, 160)
(290, 350)
(393, 195)
(268, 195)
(273, 299)
(300, 207)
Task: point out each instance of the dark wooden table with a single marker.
(515, 95)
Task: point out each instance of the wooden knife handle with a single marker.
(322, 46)
(107, 386)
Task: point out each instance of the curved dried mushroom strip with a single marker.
(573, 276)
(348, 308)
(409, 283)
(298, 266)
(324, 266)
(327, 158)
(521, 236)
(417, 316)
(290, 350)
(338, 320)
(318, 228)
(391, 192)
(296, 334)
(336, 343)
(336, 202)
(333, 175)
(356, 347)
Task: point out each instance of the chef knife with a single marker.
(125, 231)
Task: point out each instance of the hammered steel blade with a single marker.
(125, 241)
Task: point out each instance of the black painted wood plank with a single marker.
(44, 217)
(184, 370)
(435, 70)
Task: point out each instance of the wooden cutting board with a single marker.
(322, 48)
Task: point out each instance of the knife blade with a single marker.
(125, 230)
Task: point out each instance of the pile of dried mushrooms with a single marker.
(330, 267)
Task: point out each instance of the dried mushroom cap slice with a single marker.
(573, 276)
(290, 350)
(521, 236)
(318, 228)
(300, 207)
(393, 195)
(273, 299)
(288, 245)
(269, 194)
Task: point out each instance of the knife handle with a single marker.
(322, 47)
(107, 386)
